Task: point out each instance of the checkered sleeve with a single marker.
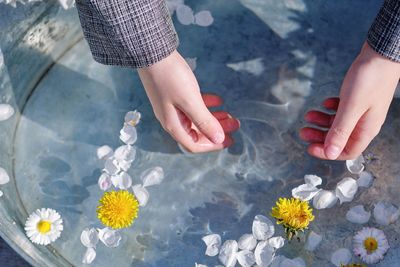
(384, 34)
(130, 33)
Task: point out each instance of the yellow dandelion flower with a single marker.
(294, 214)
(117, 209)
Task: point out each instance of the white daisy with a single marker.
(44, 226)
(370, 244)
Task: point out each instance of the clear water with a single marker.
(70, 105)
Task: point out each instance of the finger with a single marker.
(312, 135)
(185, 121)
(343, 125)
(319, 118)
(230, 125)
(331, 103)
(212, 100)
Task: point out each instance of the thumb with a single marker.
(339, 133)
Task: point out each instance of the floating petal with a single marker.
(110, 238)
(122, 180)
(104, 181)
(124, 165)
(324, 199)
(185, 15)
(173, 5)
(313, 180)
(276, 242)
(282, 261)
(152, 176)
(66, 4)
(346, 189)
(385, 213)
(262, 228)
(141, 194)
(355, 166)
(341, 257)
(213, 243)
(4, 178)
(111, 166)
(89, 256)
(246, 258)
(254, 66)
(313, 241)
(247, 242)
(6, 112)
(90, 237)
(264, 253)
(204, 18)
(358, 214)
(128, 134)
(305, 192)
(104, 152)
(125, 153)
(227, 254)
(365, 179)
(132, 118)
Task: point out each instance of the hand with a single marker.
(181, 109)
(365, 96)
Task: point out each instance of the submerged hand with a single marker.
(181, 109)
(365, 96)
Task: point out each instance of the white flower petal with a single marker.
(227, 254)
(104, 152)
(264, 253)
(122, 181)
(262, 228)
(341, 257)
(128, 134)
(104, 181)
(246, 258)
(132, 117)
(152, 176)
(124, 165)
(204, 18)
(285, 262)
(173, 5)
(66, 4)
(4, 178)
(110, 238)
(141, 194)
(385, 213)
(185, 15)
(355, 166)
(358, 214)
(6, 112)
(125, 153)
(199, 265)
(313, 180)
(365, 179)
(213, 243)
(247, 242)
(305, 192)
(111, 166)
(192, 62)
(1, 193)
(346, 189)
(89, 237)
(313, 241)
(324, 199)
(89, 256)
(276, 242)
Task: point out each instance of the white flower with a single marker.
(104, 152)
(89, 237)
(264, 253)
(346, 189)
(110, 238)
(152, 176)
(370, 244)
(44, 226)
(385, 213)
(358, 214)
(141, 194)
(262, 228)
(89, 256)
(313, 240)
(247, 242)
(227, 254)
(365, 179)
(245, 258)
(4, 178)
(104, 181)
(132, 117)
(308, 190)
(355, 166)
(324, 199)
(6, 112)
(340, 257)
(213, 243)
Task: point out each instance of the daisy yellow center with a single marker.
(117, 209)
(293, 213)
(43, 226)
(370, 244)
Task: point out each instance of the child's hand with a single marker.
(365, 96)
(181, 109)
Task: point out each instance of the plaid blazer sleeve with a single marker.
(131, 33)
(384, 34)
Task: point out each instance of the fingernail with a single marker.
(219, 138)
(332, 152)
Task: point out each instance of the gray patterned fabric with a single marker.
(384, 34)
(131, 33)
